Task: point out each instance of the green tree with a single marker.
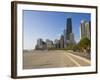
(69, 47)
(75, 48)
(84, 44)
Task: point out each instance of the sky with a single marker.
(49, 25)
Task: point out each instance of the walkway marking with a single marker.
(86, 60)
(72, 60)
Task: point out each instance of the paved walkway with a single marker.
(53, 59)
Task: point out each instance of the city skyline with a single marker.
(49, 25)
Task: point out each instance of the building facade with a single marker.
(56, 43)
(88, 30)
(41, 45)
(49, 43)
(68, 28)
(62, 41)
(85, 29)
(72, 40)
(65, 38)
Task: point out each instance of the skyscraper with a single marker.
(72, 41)
(88, 30)
(57, 43)
(69, 33)
(82, 29)
(62, 41)
(65, 39)
(85, 29)
(68, 28)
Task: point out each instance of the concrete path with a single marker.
(52, 59)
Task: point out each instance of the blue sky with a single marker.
(49, 25)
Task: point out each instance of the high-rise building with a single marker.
(65, 39)
(49, 43)
(85, 29)
(88, 30)
(72, 40)
(69, 33)
(40, 44)
(68, 28)
(57, 43)
(82, 29)
(62, 41)
(39, 41)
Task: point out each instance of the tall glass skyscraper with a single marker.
(68, 28)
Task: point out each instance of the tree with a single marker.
(75, 48)
(69, 47)
(84, 44)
